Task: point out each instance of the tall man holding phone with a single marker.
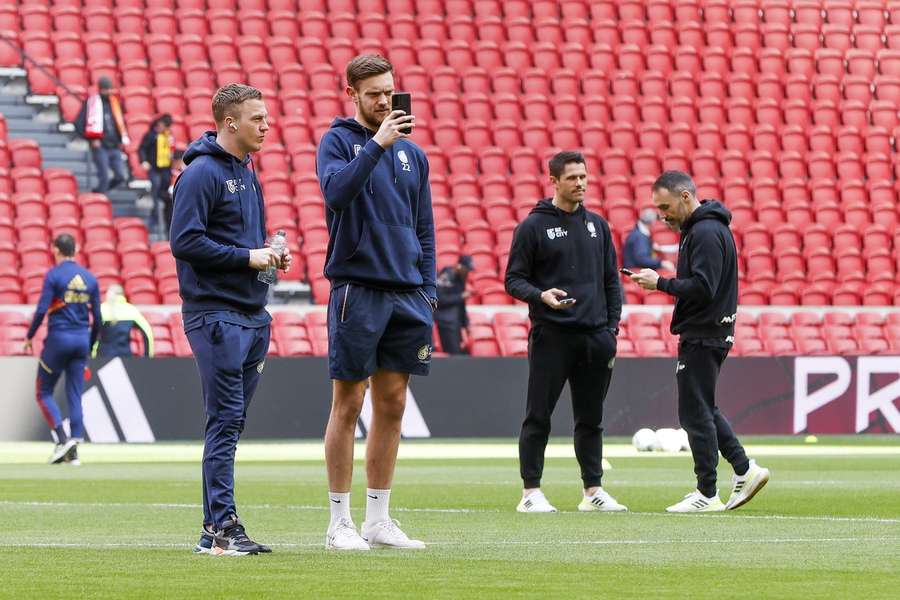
(563, 264)
(381, 264)
(706, 291)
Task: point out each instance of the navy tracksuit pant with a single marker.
(230, 359)
(64, 352)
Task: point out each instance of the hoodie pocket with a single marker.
(389, 253)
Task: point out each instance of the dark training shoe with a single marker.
(204, 546)
(232, 540)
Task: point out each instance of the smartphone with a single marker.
(567, 301)
(626, 272)
(402, 101)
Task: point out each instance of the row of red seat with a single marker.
(506, 334)
(813, 11)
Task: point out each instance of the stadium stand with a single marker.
(785, 109)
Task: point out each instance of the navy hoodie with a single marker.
(217, 218)
(68, 290)
(380, 224)
(706, 282)
(574, 252)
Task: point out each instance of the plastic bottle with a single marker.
(278, 243)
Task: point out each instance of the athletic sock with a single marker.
(61, 437)
(377, 505)
(339, 503)
(741, 470)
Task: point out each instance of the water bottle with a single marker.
(277, 243)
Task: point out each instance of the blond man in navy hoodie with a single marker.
(381, 264)
(218, 239)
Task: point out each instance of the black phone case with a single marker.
(402, 101)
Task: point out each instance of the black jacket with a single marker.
(569, 251)
(147, 149)
(451, 304)
(112, 137)
(706, 283)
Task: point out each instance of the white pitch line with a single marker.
(173, 505)
(773, 517)
(317, 507)
(637, 542)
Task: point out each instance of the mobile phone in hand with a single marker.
(567, 301)
(626, 272)
(402, 101)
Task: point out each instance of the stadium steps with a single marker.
(58, 150)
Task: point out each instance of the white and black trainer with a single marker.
(535, 502)
(63, 451)
(696, 502)
(744, 487)
(600, 501)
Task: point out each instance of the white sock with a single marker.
(339, 505)
(377, 505)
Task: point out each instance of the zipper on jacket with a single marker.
(344, 305)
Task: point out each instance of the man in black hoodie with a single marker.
(563, 264)
(706, 291)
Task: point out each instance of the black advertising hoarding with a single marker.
(143, 400)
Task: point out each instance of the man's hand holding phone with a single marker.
(556, 298)
(391, 128)
(647, 278)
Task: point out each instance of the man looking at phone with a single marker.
(706, 292)
(563, 264)
(381, 264)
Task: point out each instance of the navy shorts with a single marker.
(371, 329)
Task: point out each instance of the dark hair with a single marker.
(558, 163)
(65, 243)
(165, 119)
(229, 96)
(365, 66)
(675, 182)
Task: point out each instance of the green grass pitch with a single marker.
(122, 525)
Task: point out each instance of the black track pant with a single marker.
(709, 432)
(585, 361)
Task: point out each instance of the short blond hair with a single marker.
(229, 96)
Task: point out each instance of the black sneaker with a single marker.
(232, 540)
(207, 536)
(63, 451)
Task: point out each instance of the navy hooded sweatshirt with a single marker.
(706, 282)
(574, 252)
(218, 216)
(380, 224)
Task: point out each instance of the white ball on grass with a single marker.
(668, 440)
(685, 445)
(644, 440)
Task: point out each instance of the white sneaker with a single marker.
(342, 535)
(62, 451)
(695, 502)
(536, 502)
(600, 501)
(744, 487)
(387, 534)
